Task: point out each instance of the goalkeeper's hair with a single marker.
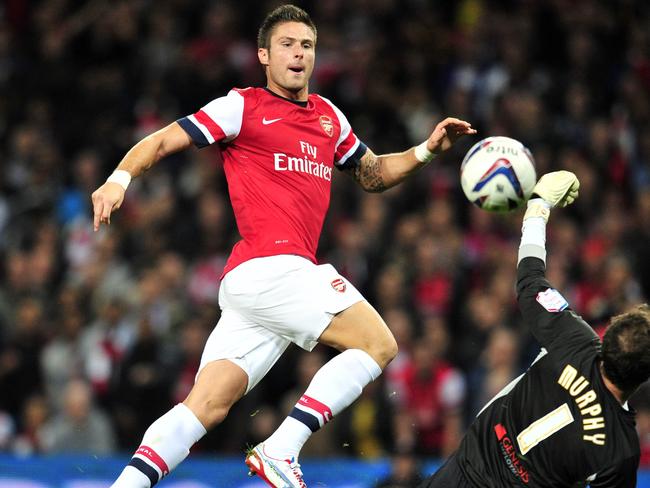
(282, 14)
(626, 349)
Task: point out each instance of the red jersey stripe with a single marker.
(210, 124)
(345, 145)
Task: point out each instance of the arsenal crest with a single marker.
(326, 124)
(338, 284)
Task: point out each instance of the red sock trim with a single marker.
(153, 456)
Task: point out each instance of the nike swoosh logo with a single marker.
(267, 122)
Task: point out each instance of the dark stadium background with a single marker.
(101, 333)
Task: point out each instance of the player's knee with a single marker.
(210, 411)
(213, 413)
(384, 350)
(391, 349)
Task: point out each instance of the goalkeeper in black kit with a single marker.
(566, 421)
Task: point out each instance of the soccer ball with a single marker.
(498, 174)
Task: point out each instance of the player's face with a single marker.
(290, 59)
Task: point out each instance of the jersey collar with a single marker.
(295, 102)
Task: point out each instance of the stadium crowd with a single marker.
(101, 333)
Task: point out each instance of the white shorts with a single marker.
(269, 302)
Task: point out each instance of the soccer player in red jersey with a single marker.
(279, 146)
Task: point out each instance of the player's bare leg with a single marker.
(218, 386)
(368, 346)
(169, 439)
(361, 327)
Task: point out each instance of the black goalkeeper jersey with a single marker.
(557, 425)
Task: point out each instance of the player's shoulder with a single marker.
(251, 96)
(327, 106)
(580, 349)
(248, 93)
(320, 100)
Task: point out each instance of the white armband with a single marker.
(423, 154)
(121, 177)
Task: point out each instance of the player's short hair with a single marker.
(282, 14)
(626, 349)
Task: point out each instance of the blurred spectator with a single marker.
(80, 427)
(62, 359)
(364, 428)
(497, 366)
(193, 335)
(434, 396)
(434, 283)
(405, 472)
(20, 372)
(261, 424)
(142, 390)
(482, 316)
(104, 343)
(35, 414)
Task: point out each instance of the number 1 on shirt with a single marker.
(545, 427)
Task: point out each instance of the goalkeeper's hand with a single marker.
(556, 189)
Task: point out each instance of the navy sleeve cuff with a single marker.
(355, 159)
(194, 132)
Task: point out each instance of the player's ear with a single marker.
(263, 56)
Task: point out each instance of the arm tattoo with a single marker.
(368, 173)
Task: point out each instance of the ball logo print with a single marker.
(475, 148)
(326, 124)
(338, 284)
(500, 167)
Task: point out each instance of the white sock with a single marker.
(164, 445)
(335, 386)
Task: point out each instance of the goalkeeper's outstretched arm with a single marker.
(543, 308)
(557, 189)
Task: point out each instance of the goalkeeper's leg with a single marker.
(169, 439)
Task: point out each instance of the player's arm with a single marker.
(544, 309)
(376, 173)
(141, 157)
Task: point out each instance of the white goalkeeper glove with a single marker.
(556, 189)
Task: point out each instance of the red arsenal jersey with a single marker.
(278, 159)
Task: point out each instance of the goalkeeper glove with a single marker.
(556, 189)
